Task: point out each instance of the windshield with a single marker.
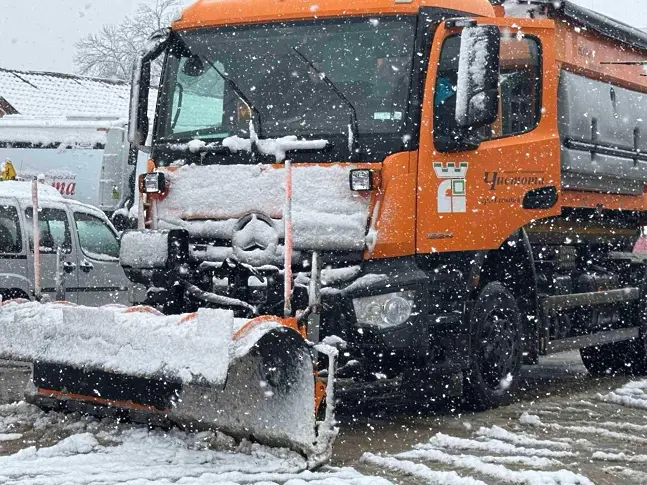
(368, 60)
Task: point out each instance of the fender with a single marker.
(13, 281)
(513, 265)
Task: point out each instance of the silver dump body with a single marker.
(603, 130)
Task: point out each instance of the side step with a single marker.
(569, 302)
(553, 304)
(574, 343)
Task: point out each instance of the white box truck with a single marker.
(84, 158)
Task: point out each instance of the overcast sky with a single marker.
(40, 34)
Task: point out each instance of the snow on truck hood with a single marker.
(216, 201)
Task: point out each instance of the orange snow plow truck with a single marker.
(451, 187)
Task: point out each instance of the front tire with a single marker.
(497, 352)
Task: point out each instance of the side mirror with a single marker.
(139, 90)
(140, 87)
(477, 93)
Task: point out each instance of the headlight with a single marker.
(152, 183)
(384, 311)
(363, 179)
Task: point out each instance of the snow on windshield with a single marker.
(369, 61)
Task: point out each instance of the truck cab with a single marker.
(432, 182)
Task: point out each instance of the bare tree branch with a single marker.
(111, 52)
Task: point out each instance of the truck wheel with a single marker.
(496, 349)
(628, 357)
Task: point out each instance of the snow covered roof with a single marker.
(48, 93)
(47, 196)
(22, 190)
(33, 93)
(46, 130)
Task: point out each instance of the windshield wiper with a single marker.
(234, 87)
(195, 146)
(353, 126)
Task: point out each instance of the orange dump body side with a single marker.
(581, 51)
(587, 53)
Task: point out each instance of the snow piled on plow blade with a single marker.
(114, 339)
(256, 383)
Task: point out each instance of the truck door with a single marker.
(54, 226)
(102, 281)
(13, 254)
(477, 186)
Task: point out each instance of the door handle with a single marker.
(86, 266)
(69, 267)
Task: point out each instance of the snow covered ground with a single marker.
(53, 449)
(573, 430)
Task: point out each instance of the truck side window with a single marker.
(10, 238)
(197, 99)
(54, 230)
(520, 88)
(96, 238)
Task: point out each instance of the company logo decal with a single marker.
(452, 188)
(496, 179)
(506, 180)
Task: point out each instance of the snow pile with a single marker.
(326, 214)
(624, 457)
(496, 471)
(10, 436)
(115, 339)
(495, 449)
(533, 420)
(443, 441)
(420, 471)
(631, 395)
(123, 454)
(498, 433)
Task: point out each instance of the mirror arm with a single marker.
(140, 87)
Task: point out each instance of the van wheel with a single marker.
(618, 358)
(497, 351)
(12, 294)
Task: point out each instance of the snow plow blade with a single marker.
(249, 379)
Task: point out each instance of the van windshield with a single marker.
(367, 59)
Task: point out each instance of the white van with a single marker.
(88, 241)
(84, 158)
